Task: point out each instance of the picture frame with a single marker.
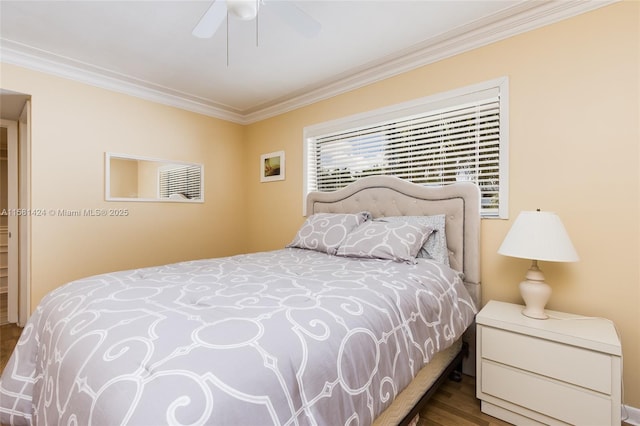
(272, 166)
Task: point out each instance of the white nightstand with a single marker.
(552, 371)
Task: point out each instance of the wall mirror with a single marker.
(132, 178)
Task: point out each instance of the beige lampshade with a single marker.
(539, 235)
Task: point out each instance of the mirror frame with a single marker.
(107, 179)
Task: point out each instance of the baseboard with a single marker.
(631, 415)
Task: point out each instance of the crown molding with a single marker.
(524, 17)
(528, 16)
(25, 56)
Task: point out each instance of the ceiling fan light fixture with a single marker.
(243, 9)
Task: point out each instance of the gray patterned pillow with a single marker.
(436, 246)
(398, 241)
(325, 232)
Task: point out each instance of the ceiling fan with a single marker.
(248, 10)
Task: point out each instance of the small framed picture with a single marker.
(272, 166)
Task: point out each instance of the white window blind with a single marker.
(461, 137)
(182, 181)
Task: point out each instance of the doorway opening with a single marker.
(15, 159)
(4, 229)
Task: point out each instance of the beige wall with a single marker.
(72, 126)
(574, 149)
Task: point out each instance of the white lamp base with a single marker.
(535, 293)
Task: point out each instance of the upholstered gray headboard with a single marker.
(391, 196)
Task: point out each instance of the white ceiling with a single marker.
(146, 48)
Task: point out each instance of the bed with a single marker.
(314, 333)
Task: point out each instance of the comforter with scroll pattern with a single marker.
(289, 337)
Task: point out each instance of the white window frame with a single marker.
(417, 107)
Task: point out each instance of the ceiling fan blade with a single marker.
(211, 20)
(296, 18)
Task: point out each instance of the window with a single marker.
(455, 136)
(180, 182)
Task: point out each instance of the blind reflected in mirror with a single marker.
(132, 178)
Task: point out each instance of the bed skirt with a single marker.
(411, 395)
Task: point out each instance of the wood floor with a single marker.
(9, 334)
(454, 404)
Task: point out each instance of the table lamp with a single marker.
(537, 236)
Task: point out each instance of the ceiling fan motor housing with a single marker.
(243, 9)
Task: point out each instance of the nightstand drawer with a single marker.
(570, 364)
(554, 399)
